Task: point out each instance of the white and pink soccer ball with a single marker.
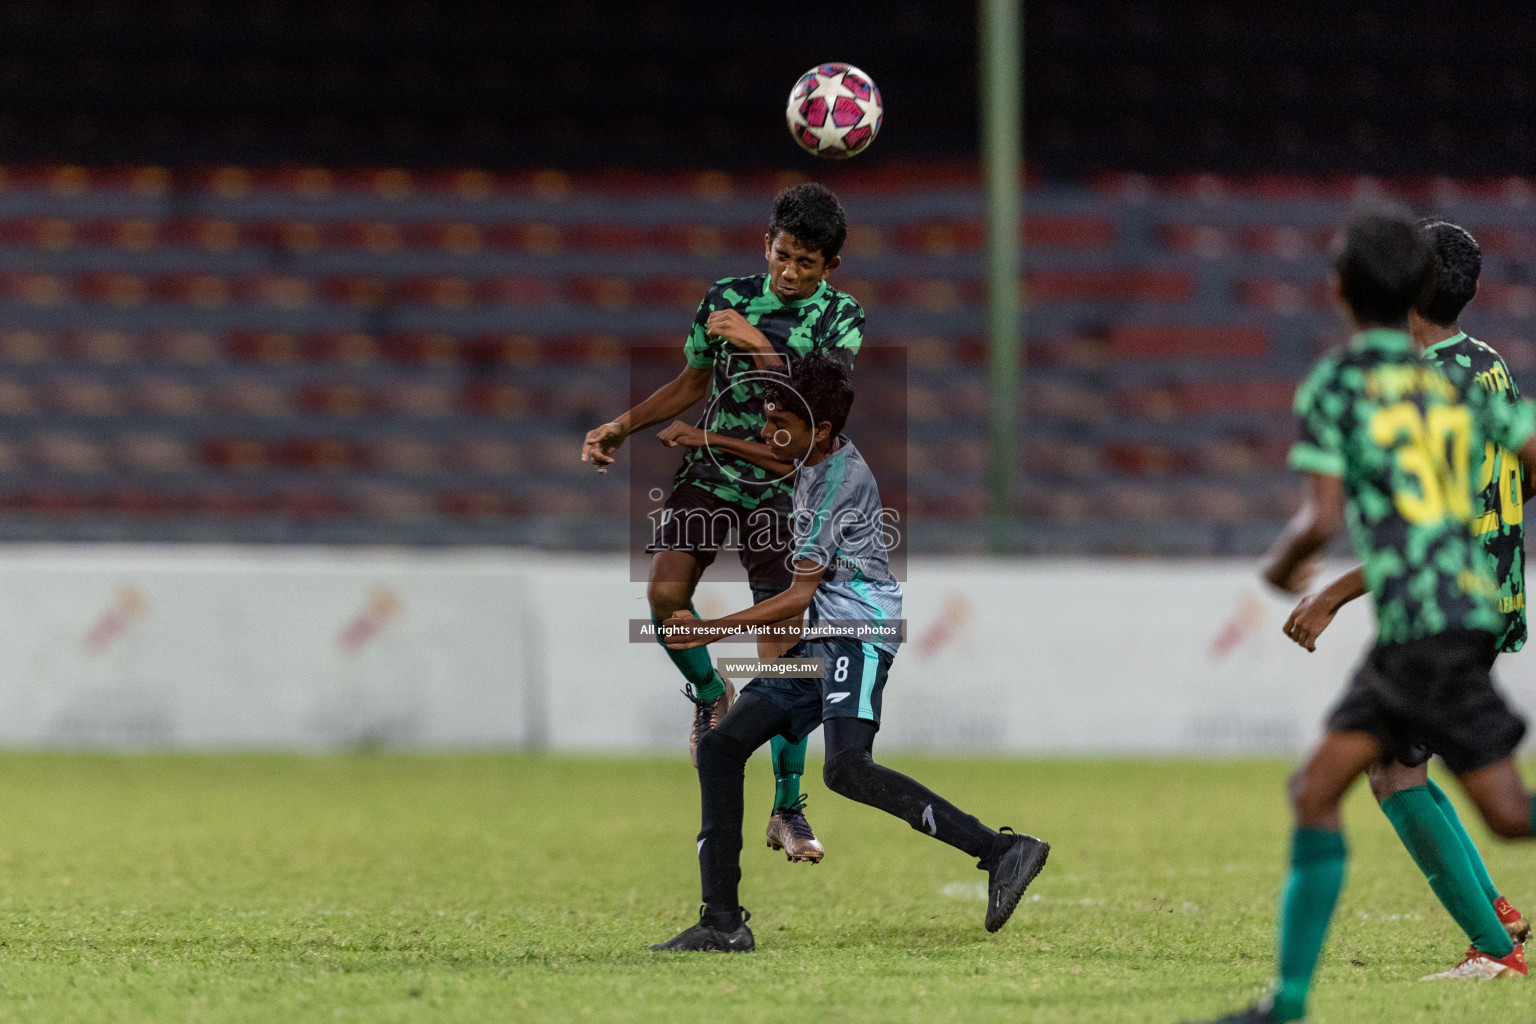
(834, 111)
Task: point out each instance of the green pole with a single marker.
(1002, 155)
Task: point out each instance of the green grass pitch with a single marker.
(522, 888)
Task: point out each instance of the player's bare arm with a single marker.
(787, 604)
(689, 436)
(1314, 612)
(1289, 563)
(736, 330)
(672, 398)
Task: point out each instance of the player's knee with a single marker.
(1389, 778)
(721, 753)
(664, 599)
(841, 773)
(1311, 805)
(1509, 819)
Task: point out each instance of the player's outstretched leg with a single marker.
(674, 575)
(787, 828)
(723, 755)
(1316, 874)
(1514, 922)
(1011, 860)
(1445, 853)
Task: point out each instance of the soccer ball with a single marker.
(834, 111)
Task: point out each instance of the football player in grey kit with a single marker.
(842, 577)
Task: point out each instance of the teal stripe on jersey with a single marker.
(866, 594)
(833, 483)
(867, 680)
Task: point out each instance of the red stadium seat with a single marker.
(1110, 285)
(1283, 296)
(112, 287)
(281, 291)
(352, 347)
(521, 350)
(335, 400)
(262, 346)
(84, 396)
(309, 504)
(217, 236)
(206, 291)
(519, 291)
(1158, 342)
(453, 237)
(373, 235)
(1203, 240)
(168, 397)
(608, 237)
(607, 293)
(55, 234)
(142, 502)
(404, 455)
(478, 505)
(17, 399)
(107, 348)
(241, 454)
(220, 503)
(423, 348)
(24, 347)
(499, 401)
(135, 234)
(418, 400)
(69, 453)
(1063, 231)
(153, 453)
(43, 290)
(320, 454)
(486, 456)
(255, 398)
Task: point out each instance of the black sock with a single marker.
(854, 774)
(721, 777)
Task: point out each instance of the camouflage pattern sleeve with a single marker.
(699, 349)
(1503, 419)
(1320, 403)
(846, 333)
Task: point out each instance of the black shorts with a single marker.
(852, 685)
(697, 522)
(1433, 695)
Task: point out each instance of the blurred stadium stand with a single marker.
(282, 272)
(388, 355)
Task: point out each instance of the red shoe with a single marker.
(1482, 967)
(1514, 922)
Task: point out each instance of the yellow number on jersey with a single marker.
(1436, 452)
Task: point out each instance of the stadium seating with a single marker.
(297, 353)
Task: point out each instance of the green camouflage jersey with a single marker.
(829, 321)
(1402, 438)
(1497, 510)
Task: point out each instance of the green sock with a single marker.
(1306, 905)
(1429, 837)
(788, 766)
(1468, 847)
(695, 665)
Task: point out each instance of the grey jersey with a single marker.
(837, 523)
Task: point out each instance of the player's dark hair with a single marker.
(817, 384)
(1453, 282)
(1383, 266)
(813, 215)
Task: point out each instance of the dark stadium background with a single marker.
(365, 272)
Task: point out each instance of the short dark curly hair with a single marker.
(1384, 265)
(1453, 282)
(813, 215)
(817, 384)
